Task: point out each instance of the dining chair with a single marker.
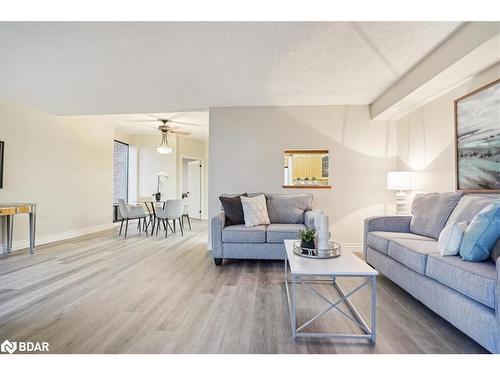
(129, 212)
(172, 210)
(185, 214)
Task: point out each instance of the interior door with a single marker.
(194, 189)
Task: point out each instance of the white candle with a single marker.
(323, 234)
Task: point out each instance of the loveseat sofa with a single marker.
(288, 214)
(405, 249)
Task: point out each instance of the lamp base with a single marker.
(401, 199)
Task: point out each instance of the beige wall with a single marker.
(130, 139)
(62, 164)
(426, 137)
(246, 155)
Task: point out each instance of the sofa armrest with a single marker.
(217, 224)
(385, 224)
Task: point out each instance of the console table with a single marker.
(9, 210)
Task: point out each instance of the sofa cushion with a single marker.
(288, 209)
(495, 253)
(431, 211)
(482, 234)
(380, 240)
(475, 280)
(450, 238)
(277, 233)
(412, 253)
(241, 233)
(469, 206)
(233, 210)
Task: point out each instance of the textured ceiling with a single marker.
(107, 68)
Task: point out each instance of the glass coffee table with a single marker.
(304, 271)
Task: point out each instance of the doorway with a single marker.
(192, 186)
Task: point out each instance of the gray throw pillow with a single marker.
(288, 209)
(431, 211)
(233, 210)
(495, 253)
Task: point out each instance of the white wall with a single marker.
(62, 164)
(426, 137)
(150, 163)
(246, 155)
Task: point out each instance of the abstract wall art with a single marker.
(477, 126)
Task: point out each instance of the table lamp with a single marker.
(401, 182)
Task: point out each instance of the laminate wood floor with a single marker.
(103, 294)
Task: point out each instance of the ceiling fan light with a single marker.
(164, 149)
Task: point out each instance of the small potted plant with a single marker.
(307, 238)
(157, 196)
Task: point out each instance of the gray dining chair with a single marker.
(172, 211)
(185, 214)
(129, 212)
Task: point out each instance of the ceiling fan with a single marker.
(165, 128)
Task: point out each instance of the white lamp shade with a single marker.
(164, 149)
(400, 180)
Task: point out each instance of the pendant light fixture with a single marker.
(164, 147)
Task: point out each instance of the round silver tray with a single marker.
(334, 251)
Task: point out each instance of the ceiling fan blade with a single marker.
(179, 132)
(185, 123)
(143, 121)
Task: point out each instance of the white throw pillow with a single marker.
(451, 237)
(255, 210)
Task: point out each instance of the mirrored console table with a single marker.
(9, 210)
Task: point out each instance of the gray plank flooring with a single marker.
(103, 294)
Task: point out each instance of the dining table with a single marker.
(151, 206)
(9, 210)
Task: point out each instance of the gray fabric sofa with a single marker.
(287, 213)
(467, 294)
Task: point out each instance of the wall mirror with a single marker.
(306, 169)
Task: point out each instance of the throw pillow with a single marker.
(255, 210)
(450, 238)
(482, 234)
(495, 254)
(288, 209)
(233, 209)
(431, 211)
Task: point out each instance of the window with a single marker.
(120, 172)
(306, 169)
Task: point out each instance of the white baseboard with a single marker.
(49, 238)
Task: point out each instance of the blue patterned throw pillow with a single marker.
(482, 234)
